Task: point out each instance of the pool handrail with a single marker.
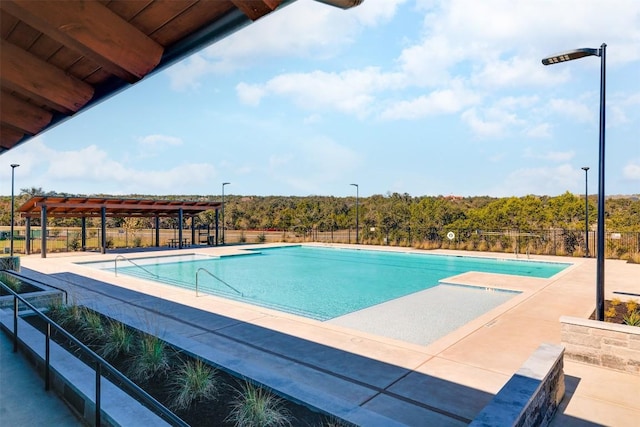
(139, 266)
(217, 278)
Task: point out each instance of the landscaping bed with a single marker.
(197, 392)
(621, 312)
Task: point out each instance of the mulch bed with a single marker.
(200, 414)
(620, 308)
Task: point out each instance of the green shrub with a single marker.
(195, 381)
(254, 406)
(119, 340)
(149, 359)
(632, 319)
(261, 238)
(91, 328)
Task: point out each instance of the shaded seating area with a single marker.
(46, 207)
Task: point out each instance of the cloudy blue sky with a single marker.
(424, 97)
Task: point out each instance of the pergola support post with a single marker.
(103, 225)
(157, 231)
(43, 237)
(27, 237)
(84, 233)
(193, 229)
(180, 228)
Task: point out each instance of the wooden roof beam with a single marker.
(255, 9)
(93, 30)
(22, 115)
(9, 137)
(27, 74)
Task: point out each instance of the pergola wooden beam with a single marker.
(93, 30)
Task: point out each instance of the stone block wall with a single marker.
(603, 344)
(531, 397)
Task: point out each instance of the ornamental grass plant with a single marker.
(195, 381)
(255, 406)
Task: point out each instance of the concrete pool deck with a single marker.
(364, 376)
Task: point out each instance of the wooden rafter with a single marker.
(93, 30)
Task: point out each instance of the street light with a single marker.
(223, 184)
(569, 56)
(357, 214)
(586, 211)
(13, 168)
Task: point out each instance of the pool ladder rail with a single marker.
(137, 265)
(158, 277)
(217, 278)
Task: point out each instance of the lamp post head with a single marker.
(13, 166)
(225, 183)
(355, 185)
(570, 55)
(585, 168)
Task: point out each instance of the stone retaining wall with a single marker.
(609, 345)
(531, 397)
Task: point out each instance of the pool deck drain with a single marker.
(367, 378)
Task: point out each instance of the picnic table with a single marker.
(175, 243)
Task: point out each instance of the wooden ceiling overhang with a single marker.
(58, 58)
(78, 207)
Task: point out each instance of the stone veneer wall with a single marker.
(531, 397)
(603, 344)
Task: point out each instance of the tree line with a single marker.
(390, 214)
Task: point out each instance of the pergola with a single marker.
(93, 207)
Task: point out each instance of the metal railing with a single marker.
(217, 278)
(100, 364)
(139, 266)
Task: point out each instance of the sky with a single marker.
(424, 97)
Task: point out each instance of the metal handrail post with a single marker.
(47, 357)
(15, 323)
(98, 393)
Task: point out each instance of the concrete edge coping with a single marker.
(598, 324)
(68, 372)
(511, 402)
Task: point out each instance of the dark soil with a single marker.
(200, 414)
(620, 311)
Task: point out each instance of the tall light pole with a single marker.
(13, 168)
(586, 211)
(569, 56)
(357, 213)
(223, 184)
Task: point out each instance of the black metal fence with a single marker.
(564, 242)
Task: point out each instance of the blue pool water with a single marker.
(321, 283)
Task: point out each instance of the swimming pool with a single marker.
(317, 282)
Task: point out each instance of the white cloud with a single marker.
(159, 140)
(249, 94)
(631, 171)
(544, 180)
(554, 156)
(437, 102)
(491, 122)
(350, 91)
(311, 164)
(573, 109)
(543, 130)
